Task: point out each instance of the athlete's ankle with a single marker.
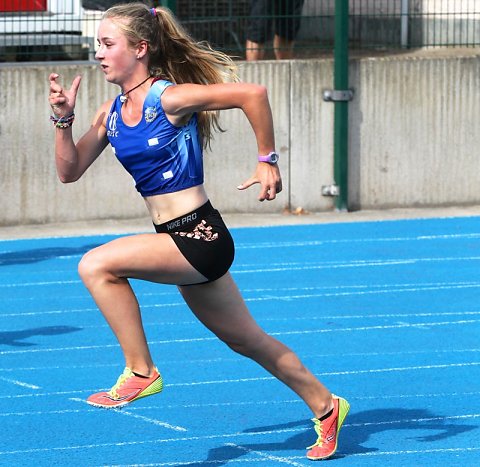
(325, 408)
(145, 371)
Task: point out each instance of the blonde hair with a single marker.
(174, 55)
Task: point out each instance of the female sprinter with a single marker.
(172, 89)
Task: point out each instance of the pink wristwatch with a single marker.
(271, 158)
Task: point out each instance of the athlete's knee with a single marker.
(249, 345)
(92, 268)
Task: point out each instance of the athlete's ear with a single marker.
(142, 49)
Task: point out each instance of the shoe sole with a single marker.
(343, 408)
(154, 388)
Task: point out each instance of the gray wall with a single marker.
(413, 139)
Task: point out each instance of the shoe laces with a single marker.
(127, 373)
(318, 427)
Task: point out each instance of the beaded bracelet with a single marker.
(63, 122)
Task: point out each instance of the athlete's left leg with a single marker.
(220, 307)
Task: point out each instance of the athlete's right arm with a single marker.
(72, 160)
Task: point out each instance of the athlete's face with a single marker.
(117, 59)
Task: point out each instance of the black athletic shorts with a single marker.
(203, 238)
(283, 15)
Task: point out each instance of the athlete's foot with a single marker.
(327, 429)
(128, 388)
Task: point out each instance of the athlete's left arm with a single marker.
(184, 99)
(252, 99)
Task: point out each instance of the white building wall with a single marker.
(413, 139)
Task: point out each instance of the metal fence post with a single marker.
(341, 105)
(404, 23)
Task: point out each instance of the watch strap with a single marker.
(271, 158)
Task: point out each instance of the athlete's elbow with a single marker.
(260, 92)
(257, 95)
(67, 170)
(67, 178)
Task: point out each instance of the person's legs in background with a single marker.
(259, 29)
(282, 48)
(287, 14)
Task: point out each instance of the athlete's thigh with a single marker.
(221, 308)
(152, 257)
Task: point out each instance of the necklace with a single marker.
(124, 95)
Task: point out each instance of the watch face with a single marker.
(271, 158)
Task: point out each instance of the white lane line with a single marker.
(336, 292)
(139, 417)
(82, 310)
(364, 317)
(263, 378)
(322, 320)
(42, 413)
(299, 401)
(275, 290)
(42, 283)
(295, 244)
(282, 333)
(289, 267)
(454, 236)
(335, 373)
(104, 346)
(236, 435)
(283, 402)
(415, 420)
(16, 382)
(264, 455)
(234, 358)
(418, 451)
(398, 369)
(85, 347)
(153, 421)
(352, 264)
(287, 318)
(366, 292)
(357, 288)
(300, 458)
(257, 245)
(382, 327)
(418, 396)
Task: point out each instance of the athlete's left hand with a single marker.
(268, 175)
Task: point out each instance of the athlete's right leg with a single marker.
(105, 271)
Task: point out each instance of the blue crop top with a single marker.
(161, 157)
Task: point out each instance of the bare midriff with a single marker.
(163, 208)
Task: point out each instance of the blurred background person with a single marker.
(280, 18)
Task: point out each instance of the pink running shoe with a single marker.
(128, 388)
(328, 430)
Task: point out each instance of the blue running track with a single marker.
(387, 314)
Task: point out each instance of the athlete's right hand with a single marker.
(62, 101)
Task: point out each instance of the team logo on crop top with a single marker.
(150, 114)
(112, 125)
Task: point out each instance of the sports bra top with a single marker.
(161, 157)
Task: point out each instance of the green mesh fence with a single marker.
(66, 29)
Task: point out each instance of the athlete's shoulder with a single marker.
(159, 85)
(107, 105)
(104, 111)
